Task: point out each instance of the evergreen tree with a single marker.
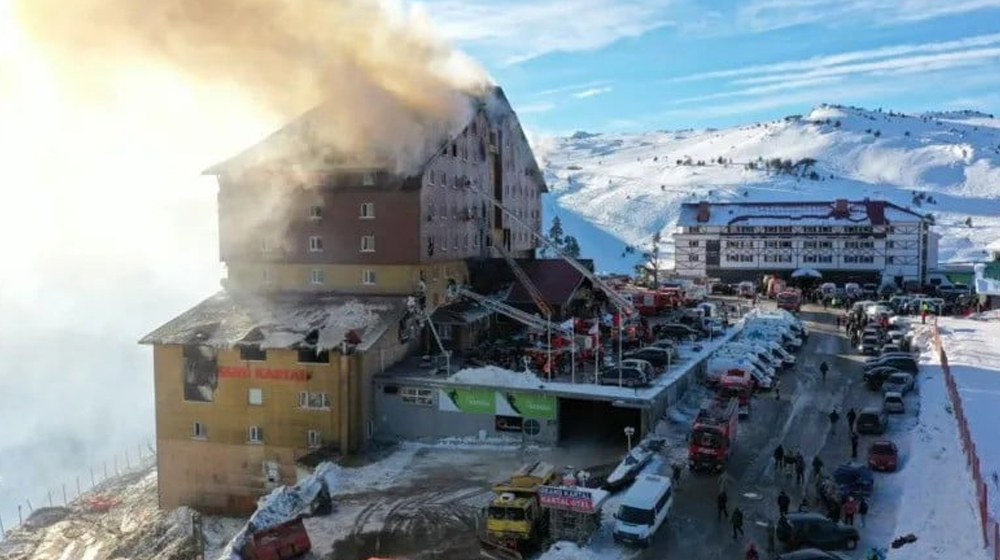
(571, 247)
(555, 235)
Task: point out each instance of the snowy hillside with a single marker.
(613, 190)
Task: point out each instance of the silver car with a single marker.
(901, 383)
(893, 402)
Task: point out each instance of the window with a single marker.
(890, 244)
(199, 431)
(430, 177)
(315, 244)
(314, 400)
(474, 128)
(256, 396)
(367, 243)
(417, 395)
(368, 277)
(859, 244)
(694, 258)
(313, 439)
(367, 210)
(777, 258)
(255, 434)
(454, 150)
(444, 179)
(252, 353)
(309, 355)
(316, 212)
(890, 260)
(744, 229)
(694, 243)
(817, 259)
(368, 179)
(859, 259)
(817, 244)
(739, 244)
(317, 277)
(778, 244)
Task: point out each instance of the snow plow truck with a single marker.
(515, 522)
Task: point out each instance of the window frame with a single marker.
(314, 439)
(367, 247)
(199, 431)
(306, 400)
(317, 277)
(316, 212)
(367, 211)
(368, 277)
(255, 434)
(315, 243)
(260, 396)
(368, 180)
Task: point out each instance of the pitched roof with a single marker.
(864, 212)
(555, 279)
(227, 319)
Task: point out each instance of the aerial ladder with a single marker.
(540, 302)
(622, 305)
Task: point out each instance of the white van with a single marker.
(643, 510)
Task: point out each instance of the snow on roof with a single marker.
(497, 377)
(866, 212)
(227, 319)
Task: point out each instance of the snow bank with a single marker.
(939, 501)
(564, 550)
(497, 377)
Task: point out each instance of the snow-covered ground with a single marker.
(973, 349)
(613, 190)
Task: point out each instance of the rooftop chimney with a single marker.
(840, 208)
(703, 211)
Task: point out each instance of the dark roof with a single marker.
(555, 279)
(228, 319)
(461, 312)
(861, 212)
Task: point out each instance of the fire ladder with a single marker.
(514, 313)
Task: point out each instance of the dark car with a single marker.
(874, 378)
(872, 421)
(854, 480)
(659, 357)
(883, 455)
(817, 531)
(902, 363)
(630, 377)
(813, 554)
(676, 330)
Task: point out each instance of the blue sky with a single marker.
(650, 64)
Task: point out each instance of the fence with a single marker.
(991, 528)
(132, 459)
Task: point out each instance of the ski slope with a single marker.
(614, 190)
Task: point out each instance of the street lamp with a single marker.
(629, 432)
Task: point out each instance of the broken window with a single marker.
(310, 355)
(201, 373)
(252, 353)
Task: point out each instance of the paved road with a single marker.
(797, 421)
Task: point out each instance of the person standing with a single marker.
(852, 415)
(834, 416)
(817, 464)
(823, 368)
(676, 475)
(752, 553)
(777, 389)
(850, 508)
(770, 535)
(783, 502)
(722, 505)
(800, 469)
(863, 510)
(737, 520)
(854, 445)
(779, 456)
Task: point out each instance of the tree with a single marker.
(555, 235)
(571, 247)
(968, 222)
(649, 269)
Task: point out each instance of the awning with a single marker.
(807, 273)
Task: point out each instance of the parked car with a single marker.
(641, 365)
(893, 402)
(815, 530)
(902, 363)
(854, 480)
(900, 382)
(889, 348)
(630, 377)
(872, 421)
(813, 554)
(677, 330)
(883, 455)
(869, 344)
(659, 357)
(874, 378)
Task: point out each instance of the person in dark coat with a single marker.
(863, 510)
(834, 416)
(722, 503)
(854, 445)
(800, 469)
(817, 465)
(852, 415)
(737, 520)
(823, 368)
(783, 502)
(779, 456)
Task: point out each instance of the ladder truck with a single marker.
(622, 305)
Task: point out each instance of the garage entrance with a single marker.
(596, 422)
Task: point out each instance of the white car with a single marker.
(901, 383)
(893, 402)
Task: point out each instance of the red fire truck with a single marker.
(737, 384)
(790, 300)
(712, 435)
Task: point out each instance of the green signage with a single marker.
(533, 405)
(475, 401)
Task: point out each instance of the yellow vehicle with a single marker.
(515, 520)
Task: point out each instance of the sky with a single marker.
(633, 65)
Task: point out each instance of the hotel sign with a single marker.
(562, 497)
(242, 372)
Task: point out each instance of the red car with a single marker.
(883, 455)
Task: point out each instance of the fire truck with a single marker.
(737, 384)
(790, 300)
(712, 435)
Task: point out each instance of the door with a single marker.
(712, 252)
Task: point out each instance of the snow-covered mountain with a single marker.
(614, 190)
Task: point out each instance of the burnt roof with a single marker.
(555, 279)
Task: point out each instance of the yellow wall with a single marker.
(389, 279)
(192, 471)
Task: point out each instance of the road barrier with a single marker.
(991, 528)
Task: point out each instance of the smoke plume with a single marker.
(386, 84)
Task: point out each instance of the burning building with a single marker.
(327, 246)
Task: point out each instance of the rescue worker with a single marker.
(779, 456)
(834, 416)
(737, 520)
(783, 502)
(721, 503)
(863, 510)
(800, 469)
(823, 368)
(852, 415)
